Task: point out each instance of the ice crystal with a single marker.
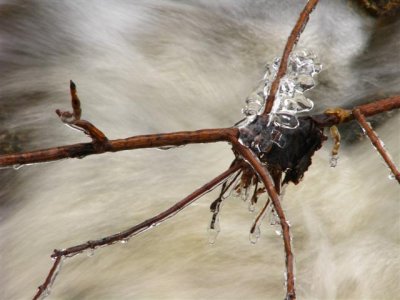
(290, 99)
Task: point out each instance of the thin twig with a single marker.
(49, 278)
(75, 102)
(376, 142)
(100, 141)
(380, 106)
(291, 42)
(139, 228)
(253, 160)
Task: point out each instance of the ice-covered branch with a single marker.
(376, 142)
(123, 236)
(291, 42)
(265, 176)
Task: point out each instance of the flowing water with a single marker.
(160, 66)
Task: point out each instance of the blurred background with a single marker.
(161, 66)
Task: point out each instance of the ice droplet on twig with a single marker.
(213, 230)
(170, 147)
(90, 252)
(333, 161)
(255, 235)
(252, 206)
(125, 241)
(244, 193)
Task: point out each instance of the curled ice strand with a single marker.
(333, 161)
(289, 100)
(303, 83)
(286, 120)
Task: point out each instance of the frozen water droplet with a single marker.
(236, 192)
(276, 63)
(285, 278)
(125, 241)
(299, 103)
(213, 231)
(391, 176)
(303, 104)
(317, 68)
(73, 254)
(278, 231)
(169, 147)
(252, 206)
(255, 235)
(286, 120)
(286, 87)
(256, 99)
(245, 193)
(333, 161)
(17, 167)
(90, 252)
(304, 82)
(273, 218)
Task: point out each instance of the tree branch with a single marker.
(135, 142)
(376, 142)
(291, 42)
(254, 162)
(180, 138)
(139, 228)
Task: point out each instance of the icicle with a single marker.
(255, 235)
(255, 231)
(252, 206)
(213, 229)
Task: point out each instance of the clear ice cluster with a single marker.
(290, 99)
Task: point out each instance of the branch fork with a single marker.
(73, 120)
(247, 162)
